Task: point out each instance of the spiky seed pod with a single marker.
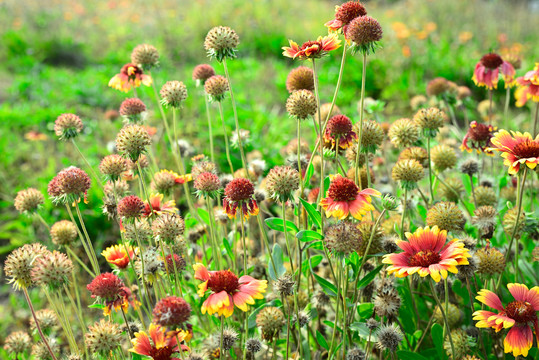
(389, 202)
(130, 207)
(216, 87)
(443, 157)
(321, 299)
(69, 185)
(324, 112)
(364, 32)
(202, 72)
(373, 135)
(461, 343)
(355, 354)
(103, 337)
(301, 104)
(302, 319)
(343, 238)
(164, 181)
(490, 261)
(68, 126)
(167, 227)
(403, 133)
(408, 173)
(281, 182)
(202, 167)
(230, 336)
(28, 200)
(469, 167)
(285, 285)
(270, 320)
(389, 337)
(17, 342)
(106, 286)
(253, 345)
(300, 78)
(171, 311)
(389, 244)
(145, 56)
(437, 86)
(415, 153)
(132, 141)
(118, 187)
(221, 42)
(453, 315)
(510, 222)
(173, 93)
(366, 229)
(52, 270)
(348, 11)
(47, 320)
(485, 219)
(208, 184)
(372, 324)
(20, 262)
(132, 110)
(485, 196)
(452, 189)
(446, 215)
(40, 351)
(430, 120)
(387, 303)
(143, 229)
(113, 166)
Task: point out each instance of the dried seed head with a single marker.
(103, 337)
(113, 166)
(373, 136)
(348, 11)
(453, 314)
(364, 31)
(324, 111)
(52, 269)
(28, 200)
(173, 93)
(167, 227)
(130, 207)
(70, 185)
(281, 182)
(132, 109)
(202, 167)
(490, 261)
(20, 262)
(202, 72)
(143, 230)
(171, 311)
(221, 42)
(467, 271)
(132, 141)
(443, 157)
(253, 345)
(446, 215)
(321, 299)
(343, 237)
(40, 351)
(486, 196)
(106, 286)
(372, 324)
(270, 320)
(415, 153)
(230, 336)
(355, 354)
(208, 184)
(285, 285)
(403, 133)
(216, 87)
(300, 78)
(452, 189)
(469, 167)
(17, 342)
(437, 86)
(430, 120)
(302, 319)
(408, 172)
(301, 104)
(67, 126)
(485, 219)
(164, 181)
(389, 337)
(462, 344)
(387, 303)
(366, 229)
(512, 224)
(178, 263)
(145, 56)
(47, 320)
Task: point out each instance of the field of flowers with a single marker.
(269, 180)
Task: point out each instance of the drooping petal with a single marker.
(519, 340)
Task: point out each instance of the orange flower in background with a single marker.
(117, 255)
(312, 49)
(158, 206)
(517, 149)
(158, 344)
(465, 36)
(401, 30)
(488, 68)
(344, 198)
(528, 87)
(33, 135)
(227, 290)
(520, 316)
(130, 76)
(426, 252)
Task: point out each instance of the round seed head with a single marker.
(486, 196)
(239, 190)
(415, 153)
(355, 354)
(130, 207)
(132, 141)
(67, 126)
(389, 337)
(171, 311)
(106, 286)
(113, 166)
(490, 261)
(364, 31)
(492, 61)
(403, 133)
(343, 237)
(452, 190)
(513, 224)
(387, 303)
(270, 320)
(408, 172)
(70, 185)
(216, 87)
(103, 337)
(301, 104)
(202, 72)
(221, 42)
(17, 342)
(430, 120)
(443, 157)
(348, 11)
(300, 78)
(485, 219)
(253, 345)
(132, 109)
(173, 93)
(20, 262)
(40, 351)
(167, 227)
(285, 285)
(373, 136)
(230, 336)
(47, 319)
(281, 182)
(454, 315)
(461, 343)
(447, 216)
(145, 56)
(28, 200)
(437, 86)
(52, 270)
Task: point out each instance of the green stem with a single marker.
(221, 338)
(361, 111)
(444, 315)
(212, 155)
(430, 170)
(536, 119)
(320, 147)
(89, 242)
(38, 327)
(227, 147)
(96, 178)
(404, 206)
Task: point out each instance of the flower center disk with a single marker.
(343, 189)
(223, 280)
(521, 312)
(424, 258)
(527, 149)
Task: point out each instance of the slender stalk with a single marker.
(38, 327)
(227, 147)
(82, 264)
(40, 218)
(300, 207)
(333, 336)
(473, 191)
(96, 178)
(320, 147)
(491, 104)
(143, 274)
(221, 338)
(444, 315)
(520, 193)
(266, 242)
(361, 111)
(536, 119)
(506, 106)
(404, 205)
(243, 242)
(430, 170)
(212, 154)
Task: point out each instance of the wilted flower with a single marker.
(130, 76)
(339, 128)
(478, 137)
(145, 56)
(528, 87)
(300, 78)
(28, 200)
(312, 49)
(344, 14)
(110, 289)
(239, 192)
(517, 149)
(69, 186)
(67, 126)
(487, 70)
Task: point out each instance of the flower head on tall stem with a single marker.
(528, 87)
(517, 149)
(312, 49)
(173, 93)
(20, 262)
(221, 43)
(520, 316)
(340, 128)
(426, 252)
(28, 200)
(158, 343)
(478, 137)
(344, 198)
(216, 87)
(488, 68)
(68, 126)
(344, 14)
(110, 289)
(130, 76)
(145, 56)
(364, 32)
(227, 290)
(300, 78)
(239, 193)
(69, 186)
(201, 73)
(158, 206)
(171, 311)
(119, 255)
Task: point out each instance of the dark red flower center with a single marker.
(349, 11)
(164, 353)
(527, 149)
(480, 132)
(492, 61)
(223, 280)
(339, 126)
(424, 258)
(131, 70)
(521, 312)
(342, 189)
(309, 44)
(239, 190)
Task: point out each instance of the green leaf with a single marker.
(408, 355)
(317, 245)
(309, 235)
(277, 255)
(135, 356)
(328, 287)
(308, 175)
(321, 340)
(204, 216)
(278, 225)
(367, 279)
(96, 306)
(311, 262)
(437, 333)
(228, 248)
(314, 215)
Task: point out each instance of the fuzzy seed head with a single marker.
(446, 215)
(387, 303)
(343, 238)
(408, 172)
(403, 133)
(355, 354)
(301, 104)
(103, 337)
(372, 324)
(454, 315)
(285, 285)
(207, 183)
(46, 319)
(130, 207)
(132, 141)
(20, 262)
(366, 229)
(69, 185)
(40, 351)
(364, 30)
(221, 42)
(113, 166)
(486, 196)
(202, 72)
(230, 336)
(164, 181)
(389, 337)
(51, 270)
(430, 120)
(171, 311)
(173, 93)
(485, 220)
(443, 157)
(300, 78)
(216, 87)
(132, 108)
(145, 56)
(490, 261)
(28, 200)
(281, 182)
(167, 227)
(17, 342)
(373, 135)
(461, 342)
(67, 126)
(253, 345)
(270, 320)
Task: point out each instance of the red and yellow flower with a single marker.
(528, 87)
(478, 137)
(158, 206)
(130, 76)
(487, 70)
(344, 198)
(110, 289)
(517, 149)
(239, 193)
(344, 14)
(159, 344)
(426, 252)
(119, 255)
(227, 290)
(519, 316)
(312, 49)
(340, 128)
